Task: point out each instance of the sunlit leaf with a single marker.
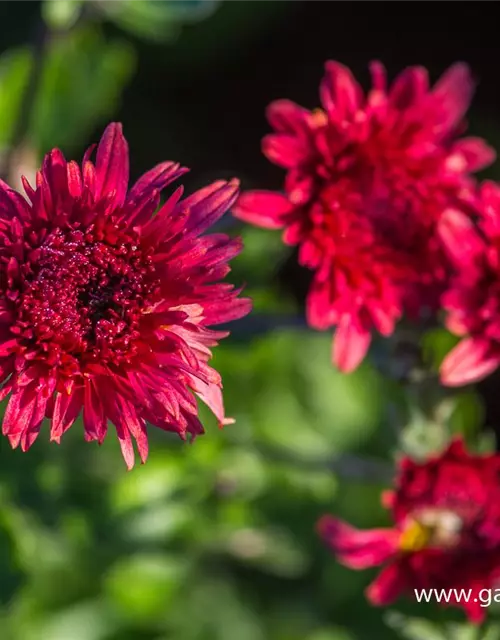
(14, 73)
(82, 81)
(142, 586)
(415, 628)
(61, 14)
(156, 20)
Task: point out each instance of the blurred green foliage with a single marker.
(210, 540)
(86, 74)
(157, 20)
(214, 540)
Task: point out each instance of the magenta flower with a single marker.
(445, 531)
(105, 305)
(473, 299)
(368, 178)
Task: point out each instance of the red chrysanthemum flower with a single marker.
(104, 305)
(446, 532)
(473, 298)
(368, 178)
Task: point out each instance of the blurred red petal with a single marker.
(358, 549)
(387, 587)
(263, 208)
(470, 361)
(350, 344)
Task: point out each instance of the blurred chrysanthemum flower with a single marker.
(368, 178)
(472, 301)
(105, 302)
(446, 532)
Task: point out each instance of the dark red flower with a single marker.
(446, 532)
(473, 298)
(105, 304)
(367, 180)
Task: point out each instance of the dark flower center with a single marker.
(84, 293)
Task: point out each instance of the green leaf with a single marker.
(14, 72)
(61, 14)
(214, 610)
(486, 442)
(142, 586)
(287, 386)
(273, 550)
(415, 628)
(84, 621)
(156, 481)
(436, 344)
(156, 20)
(82, 81)
(468, 414)
(491, 632)
(333, 633)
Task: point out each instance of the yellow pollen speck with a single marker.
(319, 117)
(415, 537)
(439, 528)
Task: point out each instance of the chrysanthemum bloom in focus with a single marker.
(104, 305)
(367, 180)
(446, 532)
(473, 299)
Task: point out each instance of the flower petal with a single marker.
(287, 117)
(136, 426)
(30, 433)
(459, 236)
(12, 203)
(350, 344)
(475, 153)
(221, 311)
(55, 174)
(265, 209)
(470, 361)
(340, 94)
(8, 347)
(358, 549)
(453, 91)
(112, 165)
(18, 414)
(388, 586)
(207, 205)
(66, 409)
(211, 394)
(474, 609)
(378, 73)
(287, 151)
(75, 181)
(156, 178)
(409, 88)
(95, 421)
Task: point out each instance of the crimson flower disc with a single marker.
(368, 177)
(106, 301)
(445, 533)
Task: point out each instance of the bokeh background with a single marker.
(216, 541)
